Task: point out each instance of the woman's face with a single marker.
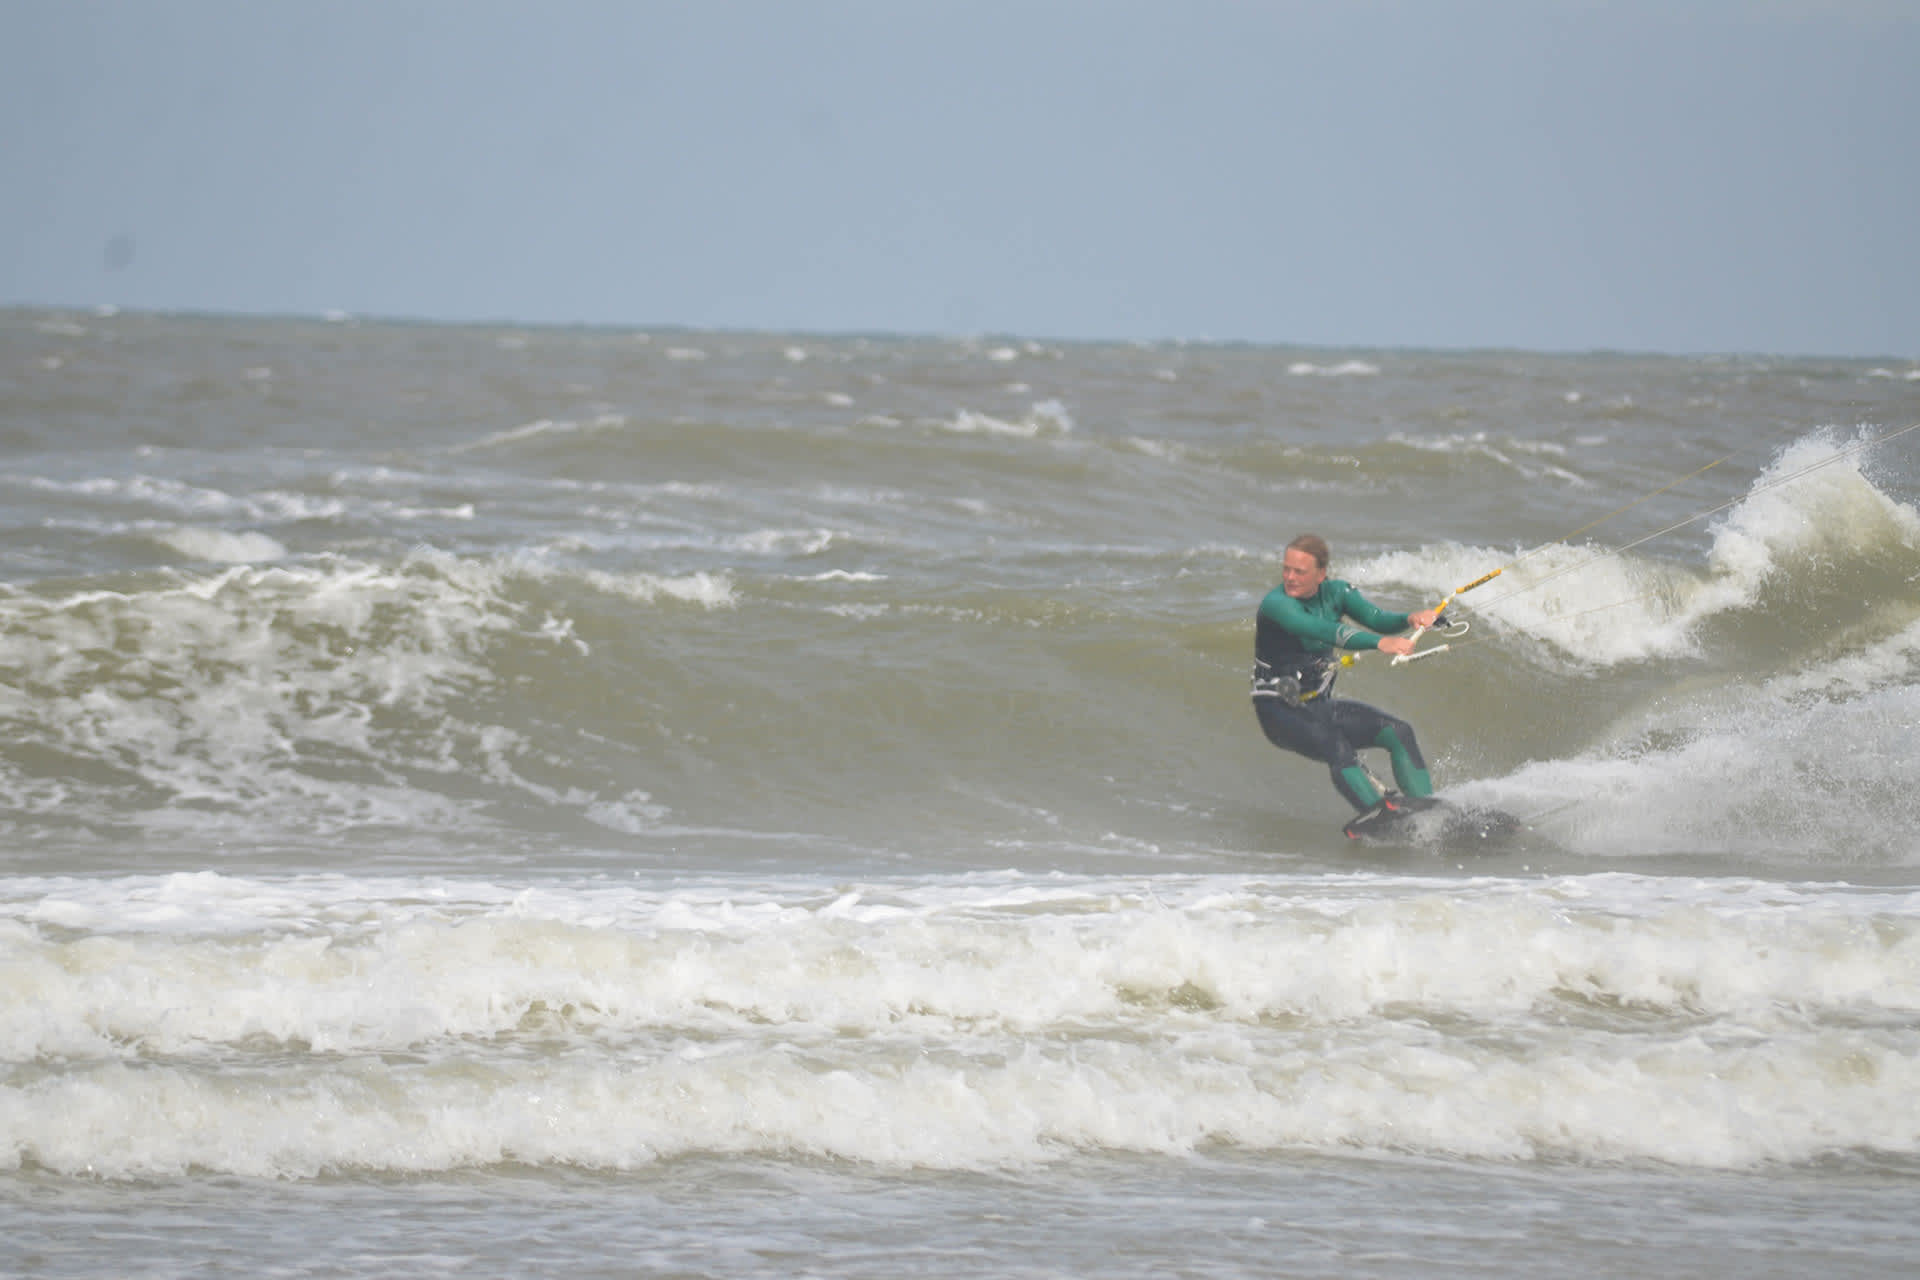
(1301, 575)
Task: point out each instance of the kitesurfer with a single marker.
(1301, 626)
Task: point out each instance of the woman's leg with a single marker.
(1365, 726)
(1313, 730)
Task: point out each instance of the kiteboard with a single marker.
(1403, 820)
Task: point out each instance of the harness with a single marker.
(1312, 679)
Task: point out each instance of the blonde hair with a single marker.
(1314, 545)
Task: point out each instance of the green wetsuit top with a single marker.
(1298, 637)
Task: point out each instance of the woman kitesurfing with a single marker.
(1301, 626)
(1311, 625)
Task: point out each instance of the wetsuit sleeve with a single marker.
(1369, 614)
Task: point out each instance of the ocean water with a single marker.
(478, 800)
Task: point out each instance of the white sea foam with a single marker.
(179, 498)
(173, 495)
(1048, 417)
(1577, 602)
(1704, 775)
(1895, 660)
(1531, 459)
(1604, 607)
(798, 542)
(514, 435)
(220, 545)
(1163, 449)
(632, 813)
(246, 679)
(545, 427)
(290, 1028)
(161, 964)
(1688, 1102)
(1344, 369)
(709, 590)
(1813, 503)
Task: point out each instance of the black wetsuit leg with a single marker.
(1332, 731)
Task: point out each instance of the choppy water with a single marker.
(506, 801)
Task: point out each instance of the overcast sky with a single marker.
(1687, 175)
